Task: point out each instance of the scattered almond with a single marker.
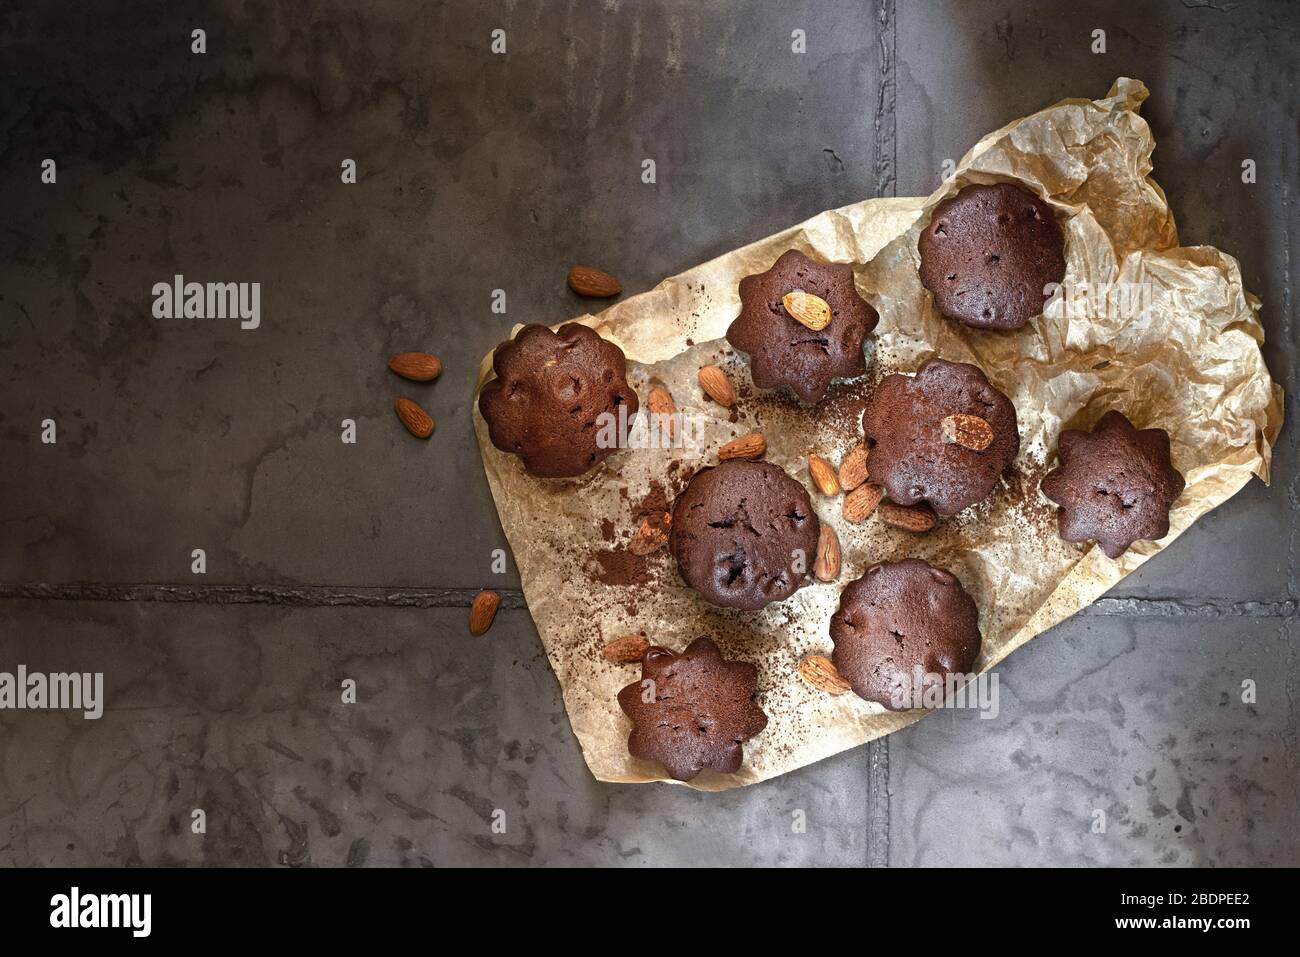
(853, 470)
(482, 611)
(661, 403)
(418, 422)
(717, 386)
(651, 534)
(416, 366)
(820, 672)
(861, 502)
(968, 431)
(626, 649)
(750, 446)
(809, 310)
(910, 518)
(823, 475)
(589, 281)
(827, 566)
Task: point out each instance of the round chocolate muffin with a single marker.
(701, 708)
(896, 618)
(987, 254)
(785, 352)
(915, 428)
(557, 398)
(1115, 484)
(744, 534)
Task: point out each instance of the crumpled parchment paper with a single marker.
(1188, 362)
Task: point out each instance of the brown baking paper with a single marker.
(1189, 363)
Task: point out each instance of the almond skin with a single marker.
(807, 309)
(819, 672)
(483, 611)
(827, 566)
(968, 431)
(911, 518)
(590, 281)
(823, 475)
(861, 502)
(418, 422)
(750, 446)
(651, 534)
(626, 649)
(853, 470)
(416, 366)
(660, 402)
(717, 386)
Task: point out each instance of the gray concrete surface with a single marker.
(476, 173)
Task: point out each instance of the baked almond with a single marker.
(750, 446)
(807, 309)
(853, 470)
(827, 566)
(911, 518)
(861, 502)
(661, 404)
(626, 649)
(717, 386)
(820, 672)
(416, 366)
(651, 534)
(418, 422)
(590, 281)
(968, 431)
(482, 611)
(823, 475)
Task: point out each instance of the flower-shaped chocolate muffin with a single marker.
(1115, 484)
(784, 351)
(988, 253)
(744, 534)
(692, 711)
(900, 627)
(942, 436)
(557, 398)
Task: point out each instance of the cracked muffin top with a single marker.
(785, 352)
(988, 253)
(692, 711)
(900, 616)
(744, 534)
(911, 450)
(1115, 484)
(553, 397)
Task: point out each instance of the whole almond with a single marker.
(862, 501)
(589, 281)
(661, 403)
(968, 431)
(820, 672)
(809, 310)
(827, 566)
(717, 386)
(626, 649)
(482, 611)
(750, 446)
(418, 422)
(823, 475)
(853, 470)
(651, 534)
(910, 518)
(416, 366)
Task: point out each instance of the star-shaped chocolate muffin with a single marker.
(785, 352)
(1115, 484)
(692, 711)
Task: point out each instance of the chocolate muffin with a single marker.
(1115, 484)
(785, 352)
(897, 617)
(553, 397)
(916, 426)
(701, 709)
(744, 534)
(987, 254)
